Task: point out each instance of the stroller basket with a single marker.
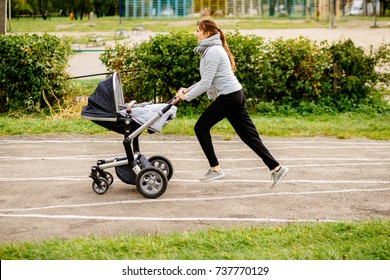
(106, 107)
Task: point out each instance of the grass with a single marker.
(68, 121)
(110, 24)
(79, 30)
(365, 240)
(342, 126)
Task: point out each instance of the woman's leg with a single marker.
(211, 116)
(246, 130)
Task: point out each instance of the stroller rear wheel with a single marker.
(162, 163)
(151, 182)
(101, 186)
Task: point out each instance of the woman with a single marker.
(217, 68)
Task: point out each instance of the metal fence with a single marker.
(320, 9)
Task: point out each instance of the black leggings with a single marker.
(231, 106)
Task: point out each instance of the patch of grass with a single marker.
(365, 240)
(342, 126)
(110, 24)
(46, 125)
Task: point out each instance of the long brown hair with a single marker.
(210, 26)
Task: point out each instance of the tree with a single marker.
(3, 16)
(385, 5)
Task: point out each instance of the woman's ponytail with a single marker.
(226, 47)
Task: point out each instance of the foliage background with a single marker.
(292, 74)
(280, 75)
(33, 71)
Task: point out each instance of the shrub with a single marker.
(157, 67)
(355, 75)
(294, 74)
(280, 71)
(33, 71)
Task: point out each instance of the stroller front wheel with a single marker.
(108, 177)
(101, 186)
(151, 182)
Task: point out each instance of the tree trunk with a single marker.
(3, 17)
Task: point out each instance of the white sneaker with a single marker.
(278, 176)
(212, 175)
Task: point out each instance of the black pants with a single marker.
(231, 106)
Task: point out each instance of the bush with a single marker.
(294, 74)
(33, 71)
(280, 71)
(157, 68)
(355, 76)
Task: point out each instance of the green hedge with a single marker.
(33, 71)
(293, 73)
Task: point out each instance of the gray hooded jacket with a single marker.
(217, 77)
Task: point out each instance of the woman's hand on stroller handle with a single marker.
(130, 105)
(181, 92)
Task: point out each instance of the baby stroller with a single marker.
(106, 108)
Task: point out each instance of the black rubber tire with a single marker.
(101, 187)
(151, 182)
(162, 163)
(108, 176)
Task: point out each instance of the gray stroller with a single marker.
(106, 108)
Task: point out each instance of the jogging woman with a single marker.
(217, 68)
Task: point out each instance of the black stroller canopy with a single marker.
(106, 108)
(104, 103)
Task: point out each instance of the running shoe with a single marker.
(277, 176)
(212, 175)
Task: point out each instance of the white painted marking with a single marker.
(286, 181)
(119, 140)
(193, 199)
(83, 178)
(93, 158)
(161, 219)
(60, 178)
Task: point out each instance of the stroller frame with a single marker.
(151, 175)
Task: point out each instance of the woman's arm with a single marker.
(208, 69)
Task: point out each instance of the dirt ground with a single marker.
(45, 191)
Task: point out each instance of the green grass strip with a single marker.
(342, 126)
(365, 240)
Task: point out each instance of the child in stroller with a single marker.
(106, 108)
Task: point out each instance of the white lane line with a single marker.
(84, 178)
(54, 178)
(161, 219)
(91, 158)
(287, 181)
(119, 140)
(195, 199)
(291, 166)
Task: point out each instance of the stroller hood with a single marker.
(106, 106)
(104, 103)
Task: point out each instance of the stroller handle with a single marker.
(174, 101)
(171, 103)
